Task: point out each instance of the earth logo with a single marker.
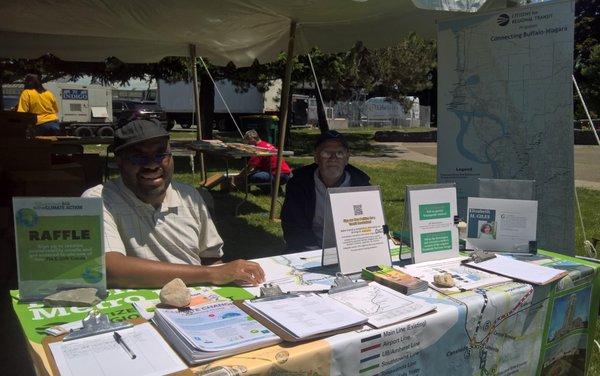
(503, 19)
(27, 217)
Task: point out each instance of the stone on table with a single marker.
(175, 294)
(81, 297)
(443, 280)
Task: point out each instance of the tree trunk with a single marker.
(207, 106)
(322, 117)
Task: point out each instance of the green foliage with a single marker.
(111, 70)
(587, 55)
(591, 81)
(404, 68)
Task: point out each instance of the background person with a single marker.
(262, 169)
(155, 229)
(37, 100)
(303, 211)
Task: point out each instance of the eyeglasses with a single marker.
(339, 154)
(144, 160)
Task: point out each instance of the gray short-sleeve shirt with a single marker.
(181, 231)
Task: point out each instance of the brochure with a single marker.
(465, 278)
(211, 331)
(59, 243)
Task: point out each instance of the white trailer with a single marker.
(84, 109)
(177, 100)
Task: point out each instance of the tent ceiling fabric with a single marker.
(225, 30)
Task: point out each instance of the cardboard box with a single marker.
(48, 183)
(18, 154)
(93, 168)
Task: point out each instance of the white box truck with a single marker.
(84, 110)
(177, 100)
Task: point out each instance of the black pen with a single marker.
(120, 341)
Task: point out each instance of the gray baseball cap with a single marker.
(137, 131)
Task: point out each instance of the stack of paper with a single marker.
(521, 270)
(144, 353)
(210, 331)
(382, 305)
(301, 317)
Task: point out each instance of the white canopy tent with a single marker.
(239, 31)
(225, 30)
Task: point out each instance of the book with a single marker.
(211, 331)
(394, 279)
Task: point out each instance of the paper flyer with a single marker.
(501, 225)
(359, 222)
(59, 245)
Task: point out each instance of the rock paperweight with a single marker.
(175, 294)
(443, 280)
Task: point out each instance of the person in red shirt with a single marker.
(263, 169)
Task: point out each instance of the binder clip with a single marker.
(272, 291)
(480, 256)
(96, 323)
(344, 283)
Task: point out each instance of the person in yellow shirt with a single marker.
(37, 100)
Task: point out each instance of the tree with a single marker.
(591, 79)
(587, 38)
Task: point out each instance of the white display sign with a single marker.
(358, 223)
(501, 225)
(431, 213)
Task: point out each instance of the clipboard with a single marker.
(46, 341)
(273, 292)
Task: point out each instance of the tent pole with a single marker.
(283, 123)
(193, 59)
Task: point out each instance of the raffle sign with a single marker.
(59, 245)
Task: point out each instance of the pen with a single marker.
(120, 341)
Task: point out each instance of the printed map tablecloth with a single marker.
(509, 329)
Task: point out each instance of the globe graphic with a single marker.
(27, 217)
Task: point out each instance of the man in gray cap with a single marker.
(303, 211)
(155, 229)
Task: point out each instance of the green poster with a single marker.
(59, 245)
(434, 211)
(436, 241)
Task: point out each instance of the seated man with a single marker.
(155, 229)
(262, 169)
(304, 206)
